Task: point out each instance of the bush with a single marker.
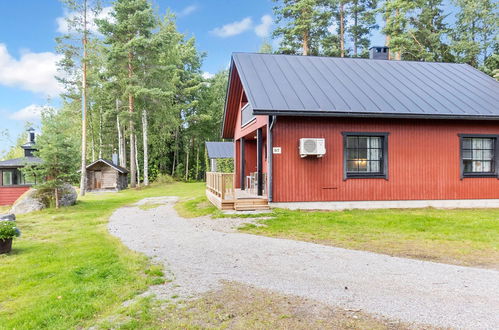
(164, 179)
(8, 230)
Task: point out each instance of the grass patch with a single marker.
(66, 269)
(197, 207)
(462, 236)
(237, 306)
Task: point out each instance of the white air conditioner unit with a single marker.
(312, 147)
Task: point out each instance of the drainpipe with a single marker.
(272, 120)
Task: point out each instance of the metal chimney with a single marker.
(31, 135)
(379, 53)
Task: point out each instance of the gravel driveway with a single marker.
(200, 253)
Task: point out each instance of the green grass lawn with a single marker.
(66, 270)
(464, 237)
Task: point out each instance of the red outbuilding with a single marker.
(335, 133)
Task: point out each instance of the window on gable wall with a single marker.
(478, 156)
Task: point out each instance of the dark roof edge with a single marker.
(370, 115)
(109, 163)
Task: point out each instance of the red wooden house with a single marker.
(335, 133)
(14, 183)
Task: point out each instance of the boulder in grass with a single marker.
(8, 217)
(67, 195)
(28, 202)
(34, 200)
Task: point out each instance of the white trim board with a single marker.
(338, 206)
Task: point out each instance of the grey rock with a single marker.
(68, 195)
(28, 202)
(7, 217)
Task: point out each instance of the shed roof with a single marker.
(20, 162)
(108, 163)
(310, 85)
(220, 149)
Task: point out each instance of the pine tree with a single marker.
(129, 37)
(476, 30)
(301, 24)
(58, 149)
(363, 18)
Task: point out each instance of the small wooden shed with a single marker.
(105, 175)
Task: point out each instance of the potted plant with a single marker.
(8, 231)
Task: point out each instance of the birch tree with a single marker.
(73, 45)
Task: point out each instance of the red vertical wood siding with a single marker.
(8, 195)
(423, 161)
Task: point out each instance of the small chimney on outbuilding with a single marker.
(379, 53)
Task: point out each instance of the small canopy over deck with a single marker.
(219, 150)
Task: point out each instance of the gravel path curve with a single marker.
(199, 256)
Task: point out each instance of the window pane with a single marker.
(352, 154)
(487, 143)
(466, 143)
(486, 166)
(363, 153)
(487, 154)
(363, 142)
(362, 165)
(351, 166)
(467, 154)
(7, 178)
(374, 167)
(468, 166)
(375, 142)
(351, 142)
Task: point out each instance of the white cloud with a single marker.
(34, 72)
(187, 10)
(62, 22)
(234, 28)
(31, 112)
(263, 29)
(208, 75)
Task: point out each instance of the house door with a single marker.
(98, 179)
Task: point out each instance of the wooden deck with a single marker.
(221, 193)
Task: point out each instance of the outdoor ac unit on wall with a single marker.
(312, 147)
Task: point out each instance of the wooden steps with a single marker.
(241, 204)
(251, 204)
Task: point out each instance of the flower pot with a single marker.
(5, 245)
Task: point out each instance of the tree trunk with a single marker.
(146, 147)
(56, 196)
(398, 54)
(356, 30)
(197, 163)
(342, 29)
(305, 43)
(100, 132)
(175, 147)
(187, 163)
(131, 105)
(83, 174)
(121, 146)
(137, 161)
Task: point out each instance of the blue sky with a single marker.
(27, 57)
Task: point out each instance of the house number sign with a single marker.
(276, 150)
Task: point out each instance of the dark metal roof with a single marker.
(20, 162)
(109, 163)
(309, 85)
(220, 149)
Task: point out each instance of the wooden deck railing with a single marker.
(221, 184)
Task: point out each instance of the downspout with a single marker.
(270, 143)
